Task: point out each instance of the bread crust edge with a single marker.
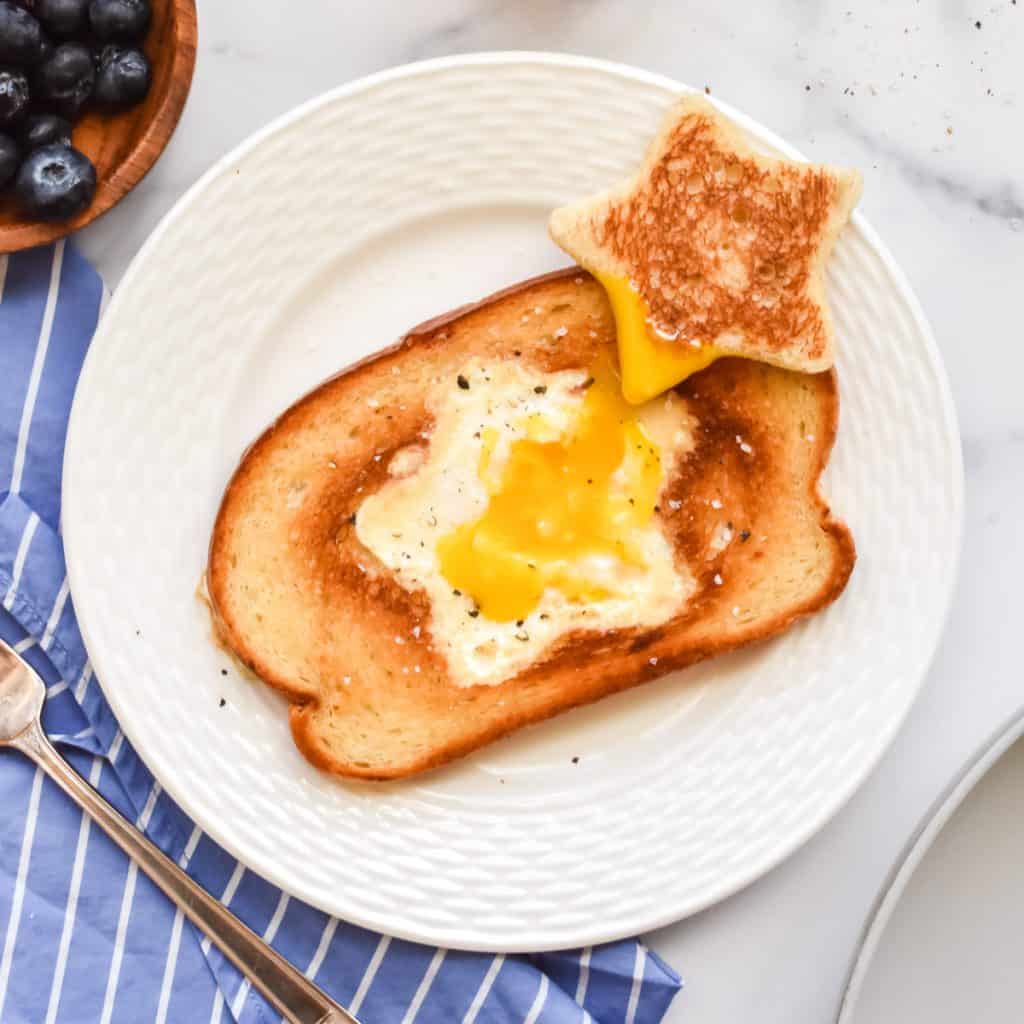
(623, 677)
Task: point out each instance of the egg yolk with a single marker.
(554, 505)
(650, 365)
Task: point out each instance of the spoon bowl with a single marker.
(295, 997)
(22, 694)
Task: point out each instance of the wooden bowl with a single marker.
(122, 146)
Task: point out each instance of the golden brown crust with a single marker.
(716, 192)
(301, 603)
(725, 245)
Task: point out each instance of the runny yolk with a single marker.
(554, 505)
(650, 365)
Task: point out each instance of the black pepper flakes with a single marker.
(352, 519)
(474, 612)
(223, 671)
(221, 702)
(575, 760)
(462, 382)
(540, 389)
(744, 536)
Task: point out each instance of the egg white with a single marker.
(435, 488)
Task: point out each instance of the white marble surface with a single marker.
(932, 108)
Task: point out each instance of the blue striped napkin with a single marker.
(84, 938)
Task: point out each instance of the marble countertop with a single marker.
(928, 99)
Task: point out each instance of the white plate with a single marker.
(942, 941)
(320, 240)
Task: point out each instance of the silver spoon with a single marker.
(22, 694)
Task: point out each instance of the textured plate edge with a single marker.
(731, 884)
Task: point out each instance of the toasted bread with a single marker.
(726, 246)
(304, 605)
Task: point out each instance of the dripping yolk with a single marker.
(650, 364)
(558, 508)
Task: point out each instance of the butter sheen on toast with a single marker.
(304, 604)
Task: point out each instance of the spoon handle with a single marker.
(286, 988)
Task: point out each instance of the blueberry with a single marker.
(44, 130)
(56, 182)
(63, 17)
(10, 157)
(14, 96)
(65, 80)
(122, 21)
(123, 77)
(20, 35)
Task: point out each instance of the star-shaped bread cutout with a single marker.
(712, 248)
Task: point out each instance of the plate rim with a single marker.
(928, 829)
(75, 540)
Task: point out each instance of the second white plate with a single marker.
(321, 240)
(942, 940)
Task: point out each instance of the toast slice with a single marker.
(724, 246)
(307, 607)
